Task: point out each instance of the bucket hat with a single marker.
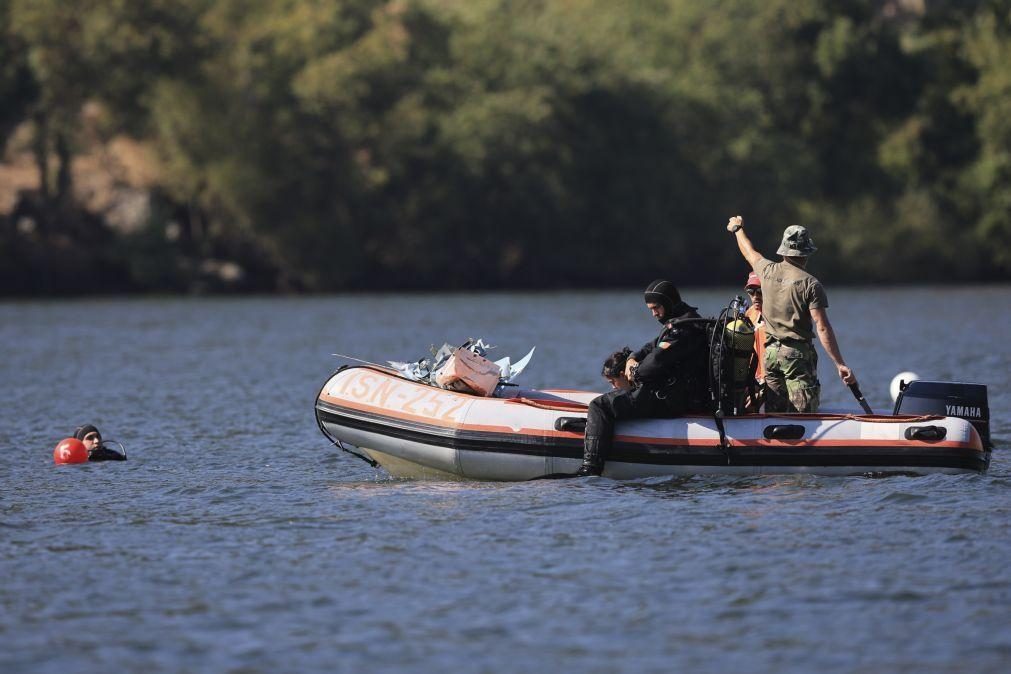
(796, 242)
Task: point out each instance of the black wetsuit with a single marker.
(670, 382)
(102, 453)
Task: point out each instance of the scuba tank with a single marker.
(732, 360)
(731, 366)
(740, 336)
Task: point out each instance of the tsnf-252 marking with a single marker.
(374, 389)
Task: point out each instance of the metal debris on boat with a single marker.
(424, 370)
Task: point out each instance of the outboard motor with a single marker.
(947, 399)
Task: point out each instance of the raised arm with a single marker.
(736, 227)
(826, 335)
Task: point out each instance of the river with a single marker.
(236, 539)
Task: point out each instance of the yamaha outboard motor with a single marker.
(948, 399)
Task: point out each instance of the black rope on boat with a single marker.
(724, 446)
(716, 380)
(371, 462)
(336, 441)
(717, 355)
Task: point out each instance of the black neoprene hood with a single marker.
(665, 294)
(82, 431)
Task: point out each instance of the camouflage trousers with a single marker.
(791, 377)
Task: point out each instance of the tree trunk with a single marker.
(40, 146)
(63, 176)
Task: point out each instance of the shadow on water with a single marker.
(693, 485)
(679, 485)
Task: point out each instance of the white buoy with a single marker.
(897, 380)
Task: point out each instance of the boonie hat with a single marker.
(753, 281)
(796, 242)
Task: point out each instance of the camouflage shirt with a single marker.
(788, 295)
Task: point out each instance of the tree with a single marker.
(988, 48)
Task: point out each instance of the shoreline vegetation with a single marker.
(197, 147)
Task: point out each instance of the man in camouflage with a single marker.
(794, 306)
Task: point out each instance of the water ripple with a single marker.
(235, 539)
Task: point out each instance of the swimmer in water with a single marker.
(92, 439)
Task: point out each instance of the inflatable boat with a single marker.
(413, 429)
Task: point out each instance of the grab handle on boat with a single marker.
(570, 424)
(926, 433)
(784, 432)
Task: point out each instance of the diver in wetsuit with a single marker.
(668, 374)
(92, 439)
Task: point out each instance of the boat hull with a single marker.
(414, 430)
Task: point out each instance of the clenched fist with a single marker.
(735, 223)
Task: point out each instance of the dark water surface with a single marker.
(235, 539)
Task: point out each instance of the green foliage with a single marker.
(988, 48)
(466, 143)
(18, 89)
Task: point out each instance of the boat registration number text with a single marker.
(371, 388)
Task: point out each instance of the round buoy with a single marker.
(898, 380)
(70, 450)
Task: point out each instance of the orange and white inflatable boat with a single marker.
(416, 430)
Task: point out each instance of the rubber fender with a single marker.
(784, 432)
(926, 433)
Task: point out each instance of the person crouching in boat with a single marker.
(668, 376)
(92, 439)
(614, 370)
